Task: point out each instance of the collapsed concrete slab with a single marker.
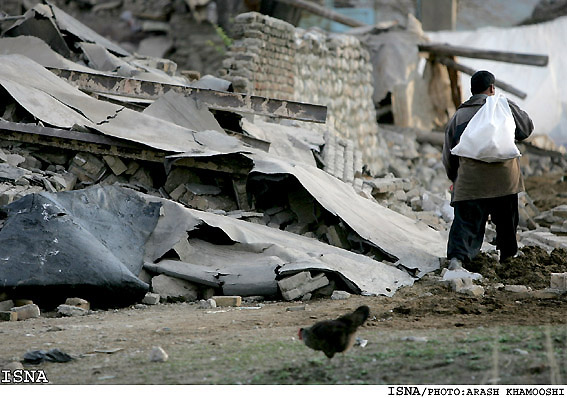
(243, 258)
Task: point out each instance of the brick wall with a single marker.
(274, 59)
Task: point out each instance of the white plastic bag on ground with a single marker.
(489, 136)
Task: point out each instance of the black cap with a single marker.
(481, 80)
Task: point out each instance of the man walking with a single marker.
(482, 189)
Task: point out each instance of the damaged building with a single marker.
(121, 176)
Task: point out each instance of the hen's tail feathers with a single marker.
(359, 316)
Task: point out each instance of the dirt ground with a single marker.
(425, 334)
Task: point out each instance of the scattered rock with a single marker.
(158, 354)
(340, 295)
(71, 310)
(151, 298)
(78, 302)
(207, 304)
(26, 311)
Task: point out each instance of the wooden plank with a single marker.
(323, 12)
(79, 141)
(219, 100)
(502, 56)
(470, 71)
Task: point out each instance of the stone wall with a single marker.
(274, 59)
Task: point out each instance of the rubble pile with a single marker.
(164, 189)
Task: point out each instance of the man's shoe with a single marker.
(455, 264)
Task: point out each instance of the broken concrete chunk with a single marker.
(116, 165)
(87, 167)
(27, 311)
(300, 284)
(227, 301)
(11, 174)
(559, 281)
(178, 192)
(78, 302)
(151, 298)
(340, 295)
(13, 159)
(173, 288)
(70, 310)
(207, 304)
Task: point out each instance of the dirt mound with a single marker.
(531, 268)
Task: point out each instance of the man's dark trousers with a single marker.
(467, 231)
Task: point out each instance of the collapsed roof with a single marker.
(95, 242)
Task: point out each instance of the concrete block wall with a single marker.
(274, 59)
(261, 60)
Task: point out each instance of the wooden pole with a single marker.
(323, 12)
(502, 56)
(470, 71)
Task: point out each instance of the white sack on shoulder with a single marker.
(489, 136)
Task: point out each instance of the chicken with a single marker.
(336, 335)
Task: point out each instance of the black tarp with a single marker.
(85, 243)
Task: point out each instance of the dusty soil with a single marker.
(547, 191)
(425, 334)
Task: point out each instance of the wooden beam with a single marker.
(100, 83)
(470, 71)
(502, 56)
(323, 12)
(79, 141)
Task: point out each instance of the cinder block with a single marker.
(227, 301)
(559, 281)
(151, 299)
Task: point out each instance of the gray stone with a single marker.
(340, 295)
(78, 302)
(151, 298)
(172, 288)
(473, 291)
(71, 310)
(27, 311)
(158, 354)
(207, 304)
